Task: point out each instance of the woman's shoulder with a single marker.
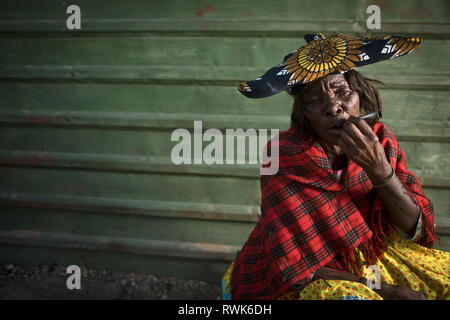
(388, 140)
(383, 133)
(293, 141)
(288, 142)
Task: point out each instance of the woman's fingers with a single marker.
(358, 144)
(345, 143)
(362, 145)
(353, 135)
(363, 127)
(347, 140)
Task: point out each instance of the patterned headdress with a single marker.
(322, 56)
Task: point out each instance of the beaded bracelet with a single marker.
(391, 176)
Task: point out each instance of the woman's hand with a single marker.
(361, 144)
(387, 291)
(394, 292)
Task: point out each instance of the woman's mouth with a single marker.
(337, 125)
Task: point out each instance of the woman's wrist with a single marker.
(363, 281)
(386, 181)
(396, 292)
(327, 273)
(380, 175)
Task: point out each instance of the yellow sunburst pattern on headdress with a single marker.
(323, 56)
(403, 46)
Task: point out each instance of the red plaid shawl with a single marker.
(310, 220)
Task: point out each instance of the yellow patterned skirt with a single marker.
(404, 263)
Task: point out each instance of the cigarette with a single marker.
(372, 116)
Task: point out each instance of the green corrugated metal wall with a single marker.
(86, 119)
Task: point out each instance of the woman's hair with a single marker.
(369, 99)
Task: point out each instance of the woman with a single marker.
(343, 202)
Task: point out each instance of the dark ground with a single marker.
(49, 282)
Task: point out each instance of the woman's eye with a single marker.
(343, 92)
(313, 100)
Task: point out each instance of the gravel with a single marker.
(16, 281)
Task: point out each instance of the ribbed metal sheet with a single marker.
(86, 119)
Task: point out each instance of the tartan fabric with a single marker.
(309, 219)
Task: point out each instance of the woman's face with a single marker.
(327, 111)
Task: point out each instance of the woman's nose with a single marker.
(333, 106)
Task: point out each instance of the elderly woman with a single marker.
(342, 218)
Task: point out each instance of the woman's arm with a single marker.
(402, 210)
(327, 273)
(361, 145)
(387, 291)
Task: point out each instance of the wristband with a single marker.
(391, 176)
